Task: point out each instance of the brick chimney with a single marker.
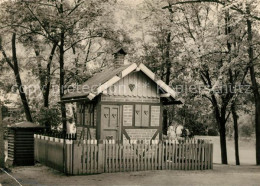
(119, 57)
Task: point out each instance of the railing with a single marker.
(89, 156)
(60, 135)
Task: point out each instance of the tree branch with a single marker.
(7, 59)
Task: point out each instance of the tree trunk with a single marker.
(223, 144)
(168, 61)
(47, 86)
(2, 145)
(165, 121)
(235, 118)
(45, 79)
(63, 108)
(254, 86)
(48, 78)
(167, 80)
(19, 81)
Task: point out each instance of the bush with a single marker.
(196, 128)
(212, 132)
(246, 131)
(49, 117)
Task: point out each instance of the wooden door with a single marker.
(110, 122)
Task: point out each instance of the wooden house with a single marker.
(123, 102)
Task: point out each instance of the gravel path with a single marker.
(220, 175)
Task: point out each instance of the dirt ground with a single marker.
(246, 174)
(220, 175)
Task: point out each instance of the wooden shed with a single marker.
(21, 143)
(122, 102)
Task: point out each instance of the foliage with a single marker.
(60, 43)
(195, 127)
(50, 116)
(212, 132)
(246, 131)
(5, 111)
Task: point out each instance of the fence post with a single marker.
(211, 156)
(68, 156)
(160, 155)
(101, 156)
(36, 158)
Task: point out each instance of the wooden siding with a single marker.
(85, 132)
(110, 122)
(127, 115)
(138, 115)
(21, 146)
(143, 116)
(141, 85)
(11, 144)
(128, 99)
(155, 115)
(86, 114)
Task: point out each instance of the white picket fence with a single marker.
(90, 156)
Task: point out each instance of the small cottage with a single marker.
(123, 102)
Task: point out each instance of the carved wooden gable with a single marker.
(136, 84)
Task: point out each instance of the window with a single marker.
(80, 113)
(89, 115)
(86, 114)
(142, 115)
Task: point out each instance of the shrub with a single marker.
(212, 132)
(196, 128)
(49, 117)
(246, 131)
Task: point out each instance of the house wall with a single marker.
(140, 108)
(144, 135)
(139, 112)
(136, 86)
(86, 133)
(86, 120)
(142, 129)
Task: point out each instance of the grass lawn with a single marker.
(246, 150)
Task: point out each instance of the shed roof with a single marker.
(25, 124)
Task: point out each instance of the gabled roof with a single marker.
(120, 51)
(106, 78)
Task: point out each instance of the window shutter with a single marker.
(138, 115)
(145, 115)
